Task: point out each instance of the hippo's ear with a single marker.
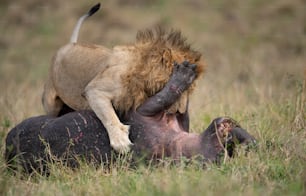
(242, 136)
(239, 136)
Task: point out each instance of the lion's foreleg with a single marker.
(100, 103)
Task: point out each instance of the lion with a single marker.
(89, 76)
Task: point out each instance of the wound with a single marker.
(175, 89)
(78, 137)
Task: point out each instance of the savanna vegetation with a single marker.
(256, 56)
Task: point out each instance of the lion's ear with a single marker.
(167, 57)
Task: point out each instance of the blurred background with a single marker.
(255, 50)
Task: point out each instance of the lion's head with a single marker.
(158, 50)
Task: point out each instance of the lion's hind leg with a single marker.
(52, 103)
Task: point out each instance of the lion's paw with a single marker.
(119, 139)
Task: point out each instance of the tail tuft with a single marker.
(75, 33)
(94, 9)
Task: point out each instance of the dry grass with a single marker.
(256, 53)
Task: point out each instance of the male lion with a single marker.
(94, 77)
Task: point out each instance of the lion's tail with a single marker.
(74, 36)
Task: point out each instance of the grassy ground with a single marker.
(256, 53)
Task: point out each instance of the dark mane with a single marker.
(157, 50)
(160, 36)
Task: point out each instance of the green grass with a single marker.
(256, 54)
